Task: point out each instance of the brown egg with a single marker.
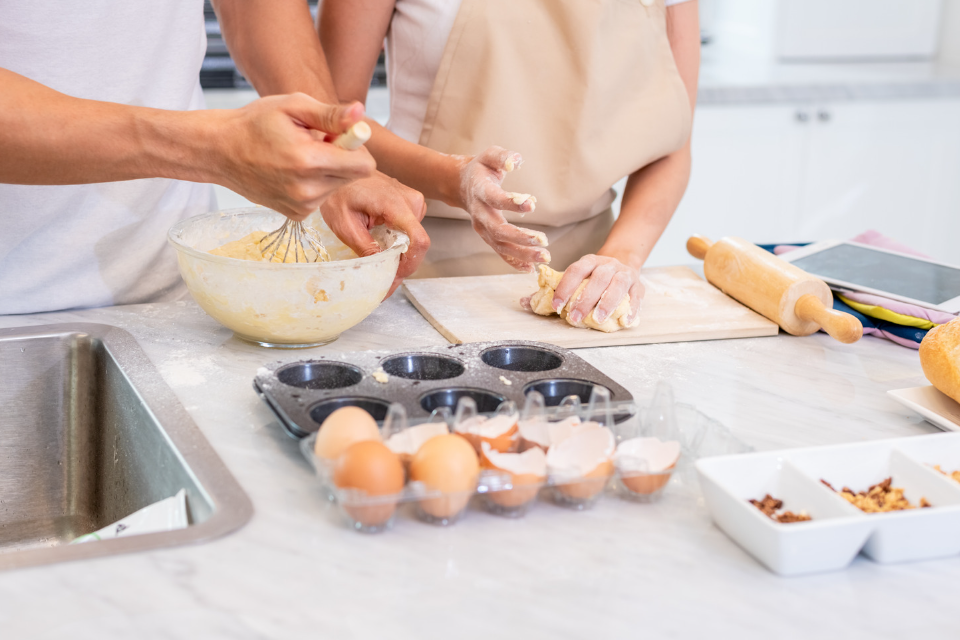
(342, 428)
(371, 467)
(447, 464)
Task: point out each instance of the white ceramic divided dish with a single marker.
(937, 407)
(838, 529)
(828, 542)
(282, 305)
(899, 536)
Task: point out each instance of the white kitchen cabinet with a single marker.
(811, 172)
(893, 167)
(745, 181)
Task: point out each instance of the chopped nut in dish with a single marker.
(880, 498)
(770, 505)
(950, 474)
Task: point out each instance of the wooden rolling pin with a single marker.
(800, 303)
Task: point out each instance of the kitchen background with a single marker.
(816, 119)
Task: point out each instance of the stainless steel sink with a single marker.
(90, 433)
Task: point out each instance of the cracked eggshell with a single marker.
(527, 470)
(585, 458)
(407, 442)
(342, 428)
(448, 464)
(646, 464)
(500, 431)
(536, 432)
(371, 467)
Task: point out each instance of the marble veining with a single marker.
(620, 570)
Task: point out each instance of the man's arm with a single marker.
(270, 151)
(275, 46)
(51, 138)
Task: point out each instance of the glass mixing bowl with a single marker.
(282, 305)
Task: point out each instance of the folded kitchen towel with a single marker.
(895, 311)
(905, 336)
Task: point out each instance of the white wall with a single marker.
(950, 32)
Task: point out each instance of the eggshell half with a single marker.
(407, 442)
(449, 464)
(528, 471)
(537, 432)
(646, 464)
(500, 431)
(585, 455)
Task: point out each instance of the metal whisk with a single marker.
(294, 242)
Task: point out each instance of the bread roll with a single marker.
(940, 358)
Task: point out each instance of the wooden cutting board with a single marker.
(679, 306)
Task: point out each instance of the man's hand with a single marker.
(275, 153)
(353, 210)
(484, 199)
(610, 281)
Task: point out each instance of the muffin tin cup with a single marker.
(838, 530)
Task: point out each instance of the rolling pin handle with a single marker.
(839, 325)
(697, 246)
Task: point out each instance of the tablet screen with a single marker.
(899, 275)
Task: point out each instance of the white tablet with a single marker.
(859, 267)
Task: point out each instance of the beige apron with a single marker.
(586, 90)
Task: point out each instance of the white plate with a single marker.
(933, 405)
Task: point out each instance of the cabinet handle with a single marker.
(802, 116)
(823, 115)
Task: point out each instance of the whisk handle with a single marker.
(354, 137)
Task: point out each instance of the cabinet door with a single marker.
(889, 166)
(747, 163)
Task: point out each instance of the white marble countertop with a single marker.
(620, 570)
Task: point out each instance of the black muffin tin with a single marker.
(302, 394)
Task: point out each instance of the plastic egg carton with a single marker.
(495, 492)
(302, 394)
(838, 530)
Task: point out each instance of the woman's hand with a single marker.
(484, 199)
(610, 281)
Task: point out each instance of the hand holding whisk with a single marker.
(294, 242)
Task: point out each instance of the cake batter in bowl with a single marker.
(283, 305)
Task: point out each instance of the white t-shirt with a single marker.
(418, 34)
(64, 247)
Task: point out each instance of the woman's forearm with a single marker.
(436, 175)
(352, 32)
(652, 195)
(654, 192)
